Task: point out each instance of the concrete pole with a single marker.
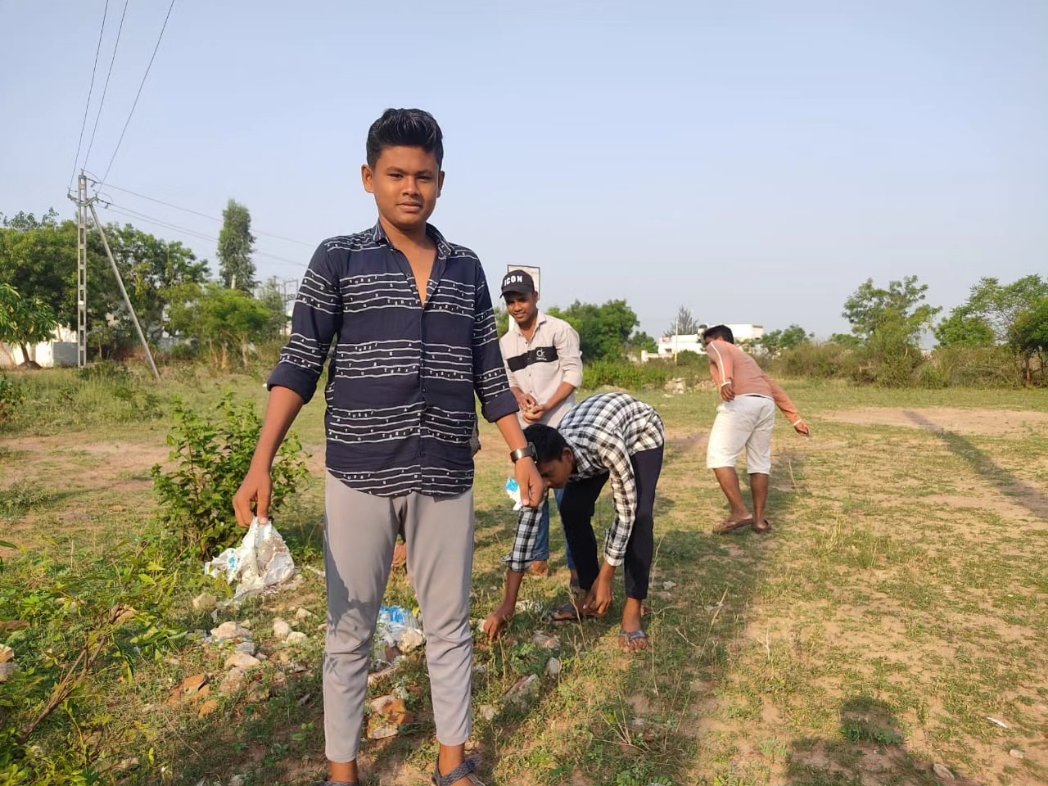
(123, 292)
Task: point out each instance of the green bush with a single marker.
(56, 400)
(819, 361)
(212, 458)
(979, 366)
(11, 395)
(623, 374)
(79, 630)
(688, 359)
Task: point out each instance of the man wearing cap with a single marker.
(544, 365)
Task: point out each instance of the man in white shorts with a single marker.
(745, 419)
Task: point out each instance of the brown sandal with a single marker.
(762, 528)
(728, 525)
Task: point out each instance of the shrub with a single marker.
(622, 374)
(828, 360)
(196, 498)
(979, 366)
(81, 631)
(11, 395)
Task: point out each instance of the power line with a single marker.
(90, 90)
(139, 93)
(203, 215)
(128, 212)
(105, 89)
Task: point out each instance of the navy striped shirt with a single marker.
(401, 381)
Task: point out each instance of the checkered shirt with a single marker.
(603, 432)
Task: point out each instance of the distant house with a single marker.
(670, 346)
(60, 351)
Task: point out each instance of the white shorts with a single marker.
(745, 422)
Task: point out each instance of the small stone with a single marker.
(207, 708)
(545, 641)
(487, 712)
(205, 601)
(6, 654)
(523, 688)
(675, 386)
(553, 667)
(668, 585)
(411, 639)
(246, 624)
(229, 631)
(1015, 753)
(942, 771)
(242, 660)
(233, 681)
(237, 780)
(247, 647)
(296, 637)
(303, 614)
(126, 764)
(281, 629)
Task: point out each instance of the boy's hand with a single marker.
(727, 390)
(495, 624)
(257, 487)
(534, 415)
(802, 428)
(532, 488)
(525, 401)
(598, 600)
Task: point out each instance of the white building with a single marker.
(60, 351)
(670, 346)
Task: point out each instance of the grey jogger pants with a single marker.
(360, 531)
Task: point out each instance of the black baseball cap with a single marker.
(518, 281)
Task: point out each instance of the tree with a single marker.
(235, 246)
(684, 324)
(775, 341)
(641, 342)
(24, 321)
(271, 295)
(1029, 336)
(39, 259)
(219, 319)
(996, 306)
(962, 328)
(899, 309)
(603, 330)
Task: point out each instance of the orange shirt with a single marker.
(728, 362)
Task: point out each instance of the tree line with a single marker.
(172, 292)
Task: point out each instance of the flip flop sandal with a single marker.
(565, 613)
(627, 638)
(464, 770)
(728, 525)
(764, 526)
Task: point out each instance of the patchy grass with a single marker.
(899, 602)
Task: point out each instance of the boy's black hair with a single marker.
(549, 444)
(718, 331)
(405, 128)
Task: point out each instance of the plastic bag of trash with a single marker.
(398, 627)
(513, 490)
(261, 560)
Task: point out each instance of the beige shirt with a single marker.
(539, 366)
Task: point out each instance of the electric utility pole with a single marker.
(85, 204)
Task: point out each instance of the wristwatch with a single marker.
(527, 451)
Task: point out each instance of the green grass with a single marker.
(899, 602)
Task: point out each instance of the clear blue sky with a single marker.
(754, 161)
